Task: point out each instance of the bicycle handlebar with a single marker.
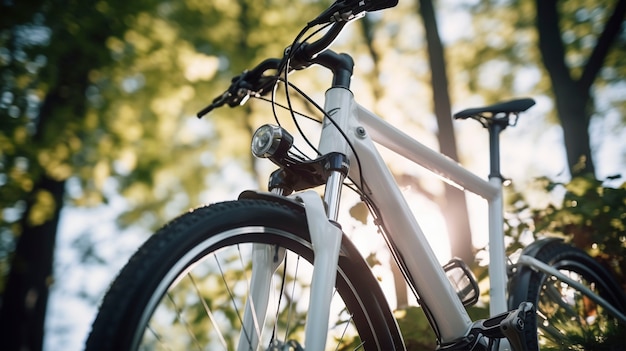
(346, 10)
(254, 82)
(247, 83)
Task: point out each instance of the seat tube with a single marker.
(497, 257)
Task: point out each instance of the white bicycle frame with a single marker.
(363, 130)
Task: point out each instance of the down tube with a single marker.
(452, 172)
(433, 286)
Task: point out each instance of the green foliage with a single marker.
(584, 211)
(582, 24)
(500, 47)
(103, 96)
(47, 52)
(416, 331)
(499, 53)
(168, 65)
(593, 217)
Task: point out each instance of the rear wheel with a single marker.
(188, 286)
(566, 319)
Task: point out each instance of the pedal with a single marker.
(511, 325)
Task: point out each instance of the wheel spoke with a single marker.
(157, 336)
(208, 312)
(558, 298)
(547, 328)
(232, 299)
(291, 306)
(183, 321)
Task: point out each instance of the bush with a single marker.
(583, 211)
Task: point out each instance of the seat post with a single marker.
(495, 126)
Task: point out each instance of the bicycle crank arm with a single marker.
(515, 324)
(509, 325)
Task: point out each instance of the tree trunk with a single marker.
(23, 308)
(573, 97)
(457, 219)
(25, 298)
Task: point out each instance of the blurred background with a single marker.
(99, 143)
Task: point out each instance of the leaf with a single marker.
(360, 212)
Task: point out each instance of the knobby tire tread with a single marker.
(145, 267)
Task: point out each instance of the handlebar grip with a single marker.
(205, 111)
(217, 102)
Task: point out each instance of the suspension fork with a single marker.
(326, 240)
(326, 237)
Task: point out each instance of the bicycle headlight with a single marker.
(271, 140)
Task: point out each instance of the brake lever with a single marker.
(237, 94)
(242, 87)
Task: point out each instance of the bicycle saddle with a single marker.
(513, 106)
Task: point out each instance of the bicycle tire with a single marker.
(565, 319)
(123, 316)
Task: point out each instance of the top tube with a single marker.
(392, 138)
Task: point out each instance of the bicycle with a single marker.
(226, 276)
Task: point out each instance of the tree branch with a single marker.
(550, 43)
(596, 59)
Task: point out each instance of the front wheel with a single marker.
(188, 287)
(566, 319)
